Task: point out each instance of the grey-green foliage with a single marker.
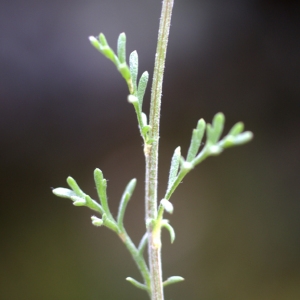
(136, 87)
(213, 146)
(180, 166)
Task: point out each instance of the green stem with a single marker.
(137, 257)
(151, 153)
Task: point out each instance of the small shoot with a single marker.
(119, 61)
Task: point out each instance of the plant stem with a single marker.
(151, 153)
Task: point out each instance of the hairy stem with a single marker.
(151, 153)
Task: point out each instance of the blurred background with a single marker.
(63, 111)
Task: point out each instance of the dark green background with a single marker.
(63, 111)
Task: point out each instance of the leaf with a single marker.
(175, 161)
(215, 130)
(124, 201)
(63, 193)
(172, 279)
(143, 243)
(75, 187)
(165, 223)
(137, 284)
(142, 87)
(101, 186)
(196, 140)
(121, 48)
(236, 129)
(106, 50)
(134, 66)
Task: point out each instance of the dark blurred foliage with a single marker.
(63, 111)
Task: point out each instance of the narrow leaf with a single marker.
(196, 140)
(121, 48)
(142, 87)
(174, 167)
(63, 193)
(137, 284)
(143, 243)
(124, 201)
(75, 187)
(101, 186)
(165, 223)
(236, 129)
(134, 66)
(102, 40)
(172, 279)
(243, 138)
(216, 129)
(95, 42)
